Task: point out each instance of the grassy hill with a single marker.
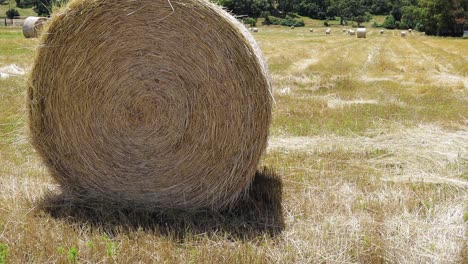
(22, 11)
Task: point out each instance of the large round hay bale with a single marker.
(361, 32)
(403, 34)
(328, 31)
(150, 102)
(255, 30)
(32, 26)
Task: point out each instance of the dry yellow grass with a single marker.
(369, 138)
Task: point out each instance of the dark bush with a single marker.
(266, 21)
(287, 21)
(389, 23)
(25, 3)
(250, 21)
(12, 13)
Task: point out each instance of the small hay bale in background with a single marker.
(381, 31)
(255, 30)
(32, 26)
(410, 30)
(328, 31)
(343, 30)
(351, 32)
(311, 30)
(128, 116)
(361, 32)
(292, 27)
(403, 34)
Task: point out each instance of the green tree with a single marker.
(251, 8)
(443, 17)
(43, 7)
(12, 13)
(380, 7)
(410, 17)
(286, 6)
(25, 3)
(389, 23)
(354, 10)
(312, 8)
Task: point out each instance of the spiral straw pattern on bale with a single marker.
(152, 102)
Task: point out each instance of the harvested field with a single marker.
(369, 138)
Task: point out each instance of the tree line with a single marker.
(435, 17)
(41, 7)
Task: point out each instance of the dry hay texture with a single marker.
(157, 103)
(32, 26)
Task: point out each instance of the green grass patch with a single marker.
(22, 11)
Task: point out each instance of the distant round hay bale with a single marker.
(32, 26)
(410, 30)
(361, 33)
(311, 30)
(351, 32)
(403, 34)
(255, 30)
(343, 30)
(292, 27)
(328, 31)
(153, 103)
(381, 31)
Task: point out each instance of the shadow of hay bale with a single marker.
(260, 212)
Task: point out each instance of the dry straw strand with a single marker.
(157, 103)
